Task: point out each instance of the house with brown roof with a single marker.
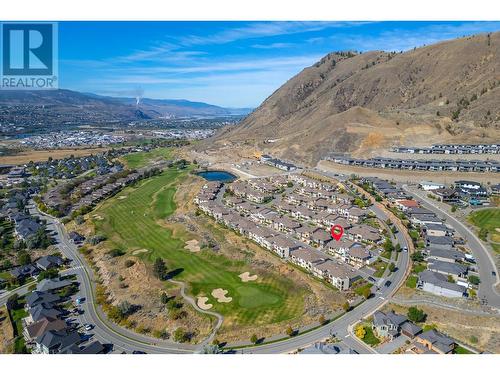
(285, 224)
(283, 245)
(358, 256)
(37, 329)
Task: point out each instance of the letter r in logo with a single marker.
(27, 49)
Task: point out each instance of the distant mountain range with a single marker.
(360, 103)
(72, 106)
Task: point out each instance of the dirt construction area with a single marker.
(405, 175)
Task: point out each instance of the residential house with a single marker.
(338, 274)
(450, 256)
(55, 341)
(49, 261)
(320, 237)
(306, 258)
(454, 270)
(437, 283)
(439, 242)
(34, 330)
(435, 341)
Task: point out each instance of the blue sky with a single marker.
(232, 64)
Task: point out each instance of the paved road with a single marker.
(484, 260)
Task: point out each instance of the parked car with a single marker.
(88, 327)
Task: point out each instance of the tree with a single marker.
(164, 298)
(392, 267)
(126, 308)
(290, 331)
(12, 301)
(367, 293)
(23, 258)
(346, 307)
(160, 269)
(474, 280)
(388, 245)
(322, 320)
(416, 315)
(51, 273)
(453, 208)
(417, 256)
(180, 335)
(254, 339)
(360, 332)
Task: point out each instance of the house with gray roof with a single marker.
(439, 242)
(52, 342)
(49, 261)
(455, 270)
(450, 256)
(434, 341)
(438, 284)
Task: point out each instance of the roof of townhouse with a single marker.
(321, 235)
(356, 211)
(58, 339)
(342, 243)
(447, 267)
(304, 229)
(44, 310)
(439, 240)
(440, 280)
(365, 231)
(52, 284)
(287, 222)
(408, 202)
(419, 211)
(262, 232)
(359, 252)
(335, 269)
(434, 226)
(411, 328)
(447, 254)
(37, 297)
(307, 254)
(284, 242)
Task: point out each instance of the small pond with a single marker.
(220, 176)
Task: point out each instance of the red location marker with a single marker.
(337, 231)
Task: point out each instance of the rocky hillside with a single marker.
(363, 103)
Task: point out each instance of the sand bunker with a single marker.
(122, 197)
(245, 277)
(140, 251)
(220, 294)
(202, 303)
(193, 246)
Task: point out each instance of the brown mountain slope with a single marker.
(362, 103)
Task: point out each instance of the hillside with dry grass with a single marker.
(362, 103)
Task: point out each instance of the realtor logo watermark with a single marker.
(28, 56)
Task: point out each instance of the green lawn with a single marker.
(411, 282)
(134, 223)
(370, 337)
(380, 267)
(360, 290)
(140, 159)
(487, 219)
(461, 350)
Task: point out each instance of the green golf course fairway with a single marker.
(134, 223)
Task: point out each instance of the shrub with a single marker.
(416, 315)
(129, 263)
(116, 252)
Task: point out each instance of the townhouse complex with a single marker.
(291, 215)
